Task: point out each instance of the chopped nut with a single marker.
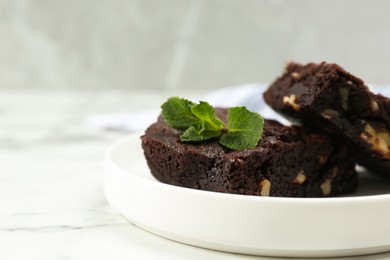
(265, 187)
(291, 100)
(300, 178)
(326, 187)
(329, 113)
(295, 75)
(323, 159)
(344, 98)
(379, 140)
(334, 172)
(288, 63)
(374, 106)
(349, 82)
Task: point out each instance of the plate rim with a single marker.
(343, 199)
(380, 244)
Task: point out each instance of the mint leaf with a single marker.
(209, 125)
(196, 133)
(244, 129)
(199, 122)
(206, 113)
(177, 113)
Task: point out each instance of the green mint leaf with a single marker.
(199, 122)
(177, 113)
(206, 113)
(244, 129)
(196, 133)
(209, 125)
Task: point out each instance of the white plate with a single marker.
(297, 227)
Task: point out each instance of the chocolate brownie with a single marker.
(288, 162)
(326, 97)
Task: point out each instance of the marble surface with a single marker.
(52, 204)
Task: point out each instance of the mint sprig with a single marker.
(199, 122)
(245, 129)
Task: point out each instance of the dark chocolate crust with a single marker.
(288, 162)
(327, 98)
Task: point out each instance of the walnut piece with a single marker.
(329, 113)
(334, 172)
(374, 106)
(295, 75)
(323, 159)
(291, 100)
(300, 178)
(265, 187)
(326, 186)
(379, 140)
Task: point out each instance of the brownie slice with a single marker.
(325, 97)
(288, 162)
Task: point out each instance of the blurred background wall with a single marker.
(168, 44)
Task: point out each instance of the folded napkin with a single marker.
(249, 95)
(126, 121)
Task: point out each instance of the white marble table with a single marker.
(52, 204)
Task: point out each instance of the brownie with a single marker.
(287, 162)
(327, 98)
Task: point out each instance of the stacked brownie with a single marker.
(343, 123)
(326, 98)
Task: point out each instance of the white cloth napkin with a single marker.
(249, 95)
(126, 121)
